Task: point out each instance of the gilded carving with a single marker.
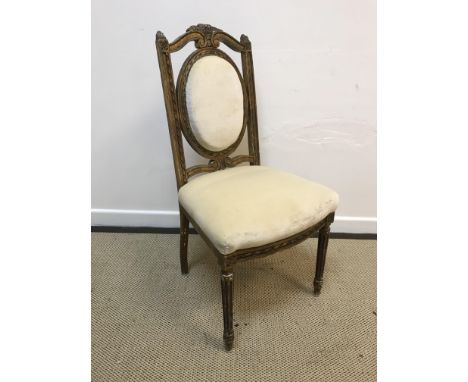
(207, 35)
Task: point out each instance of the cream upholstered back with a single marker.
(212, 104)
(215, 104)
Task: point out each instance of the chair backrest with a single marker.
(213, 104)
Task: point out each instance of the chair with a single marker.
(241, 209)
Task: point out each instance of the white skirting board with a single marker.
(170, 219)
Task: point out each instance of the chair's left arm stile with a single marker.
(167, 80)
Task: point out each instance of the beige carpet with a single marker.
(150, 323)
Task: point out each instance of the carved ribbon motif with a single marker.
(219, 163)
(207, 38)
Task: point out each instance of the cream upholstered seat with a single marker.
(249, 206)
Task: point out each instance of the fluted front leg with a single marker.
(324, 234)
(226, 289)
(184, 225)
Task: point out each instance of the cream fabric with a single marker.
(215, 102)
(250, 206)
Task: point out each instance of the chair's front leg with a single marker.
(324, 234)
(226, 290)
(184, 225)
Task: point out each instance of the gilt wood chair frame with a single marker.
(207, 40)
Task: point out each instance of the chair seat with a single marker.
(250, 206)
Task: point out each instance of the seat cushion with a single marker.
(249, 206)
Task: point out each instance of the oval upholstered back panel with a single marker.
(215, 102)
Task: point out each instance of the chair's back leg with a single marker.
(184, 225)
(226, 290)
(324, 234)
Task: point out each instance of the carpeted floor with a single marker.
(150, 323)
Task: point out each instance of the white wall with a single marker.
(315, 68)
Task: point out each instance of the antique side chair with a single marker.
(243, 211)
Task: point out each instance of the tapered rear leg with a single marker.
(184, 225)
(324, 234)
(226, 290)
